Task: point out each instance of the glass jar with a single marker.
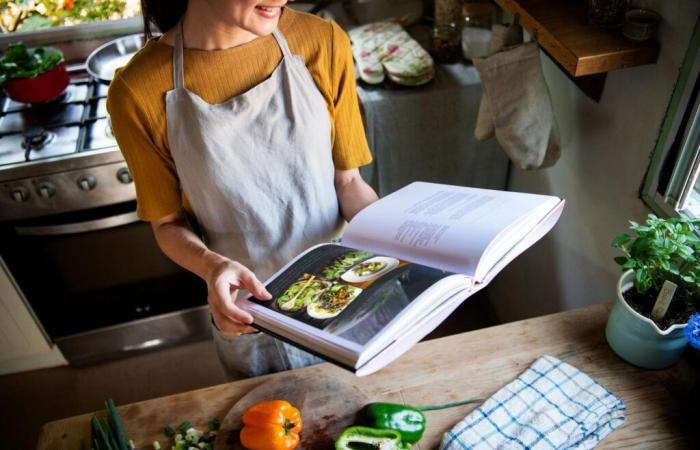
(606, 13)
(446, 12)
(446, 44)
(477, 18)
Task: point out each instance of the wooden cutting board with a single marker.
(327, 407)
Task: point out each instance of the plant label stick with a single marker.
(663, 300)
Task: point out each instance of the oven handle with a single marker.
(79, 227)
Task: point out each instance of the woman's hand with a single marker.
(226, 277)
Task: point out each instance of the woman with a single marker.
(244, 117)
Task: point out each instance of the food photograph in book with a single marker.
(348, 292)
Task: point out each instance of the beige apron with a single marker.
(258, 171)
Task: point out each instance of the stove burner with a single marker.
(36, 138)
(63, 97)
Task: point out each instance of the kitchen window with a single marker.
(672, 183)
(33, 15)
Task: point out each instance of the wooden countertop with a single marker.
(463, 366)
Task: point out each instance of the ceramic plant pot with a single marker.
(637, 339)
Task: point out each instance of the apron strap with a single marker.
(178, 67)
(282, 42)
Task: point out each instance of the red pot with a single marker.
(38, 89)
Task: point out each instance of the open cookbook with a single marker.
(405, 263)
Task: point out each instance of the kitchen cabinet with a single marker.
(470, 365)
(23, 345)
(583, 51)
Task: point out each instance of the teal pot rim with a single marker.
(625, 283)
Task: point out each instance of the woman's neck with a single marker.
(204, 30)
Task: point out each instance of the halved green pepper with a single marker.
(366, 438)
(409, 421)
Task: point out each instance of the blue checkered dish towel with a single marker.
(551, 405)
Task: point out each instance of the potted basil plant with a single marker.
(32, 75)
(657, 292)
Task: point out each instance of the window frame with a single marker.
(687, 161)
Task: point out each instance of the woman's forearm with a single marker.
(353, 193)
(182, 245)
(223, 276)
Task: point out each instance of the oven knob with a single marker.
(20, 194)
(124, 176)
(46, 189)
(87, 182)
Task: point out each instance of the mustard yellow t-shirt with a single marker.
(136, 100)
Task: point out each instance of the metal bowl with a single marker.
(105, 59)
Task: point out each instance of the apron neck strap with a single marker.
(282, 42)
(178, 66)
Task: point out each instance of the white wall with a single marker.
(605, 154)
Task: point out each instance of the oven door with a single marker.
(100, 285)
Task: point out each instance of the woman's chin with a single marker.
(263, 27)
(264, 21)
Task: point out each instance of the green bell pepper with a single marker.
(409, 421)
(357, 438)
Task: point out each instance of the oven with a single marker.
(99, 284)
(88, 268)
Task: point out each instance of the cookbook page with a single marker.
(342, 294)
(444, 226)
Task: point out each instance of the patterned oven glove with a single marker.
(386, 49)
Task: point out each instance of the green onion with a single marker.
(169, 431)
(186, 425)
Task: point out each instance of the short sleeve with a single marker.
(152, 168)
(350, 148)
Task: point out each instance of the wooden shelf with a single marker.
(561, 28)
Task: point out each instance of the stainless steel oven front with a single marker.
(88, 268)
(100, 285)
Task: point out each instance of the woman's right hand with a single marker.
(225, 278)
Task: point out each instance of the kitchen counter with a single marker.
(464, 366)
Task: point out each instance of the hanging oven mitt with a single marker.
(520, 105)
(385, 49)
(552, 405)
(501, 36)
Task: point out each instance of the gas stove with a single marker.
(60, 156)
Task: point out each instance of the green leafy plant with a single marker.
(20, 62)
(662, 249)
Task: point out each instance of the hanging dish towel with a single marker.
(552, 405)
(519, 102)
(385, 49)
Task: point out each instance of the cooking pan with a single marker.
(105, 59)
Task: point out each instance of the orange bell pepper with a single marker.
(271, 425)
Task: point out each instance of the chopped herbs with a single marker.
(188, 437)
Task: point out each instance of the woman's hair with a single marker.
(164, 14)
